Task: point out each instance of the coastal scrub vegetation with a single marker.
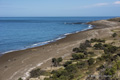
(36, 72)
(114, 34)
(56, 61)
(91, 61)
(97, 40)
(20, 79)
(94, 59)
(81, 60)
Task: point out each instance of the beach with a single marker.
(14, 65)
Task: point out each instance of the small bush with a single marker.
(77, 56)
(100, 67)
(71, 76)
(67, 63)
(20, 79)
(98, 46)
(59, 60)
(61, 74)
(91, 61)
(81, 64)
(106, 56)
(87, 43)
(110, 71)
(118, 64)
(106, 45)
(71, 68)
(93, 40)
(36, 72)
(97, 40)
(91, 53)
(83, 46)
(46, 79)
(114, 34)
(76, 50)
(85, 53)
(56, 61)
(110, 49)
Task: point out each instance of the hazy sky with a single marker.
(31, 8)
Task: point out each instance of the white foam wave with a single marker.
(90, 26)
(67, 33)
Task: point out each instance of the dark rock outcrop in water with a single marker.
(75, 23)
(78, 23)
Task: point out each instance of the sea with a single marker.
(18, 33)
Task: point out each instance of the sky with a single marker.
(51, 8)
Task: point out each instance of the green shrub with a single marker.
(114, 34)
(110, 71)
(71, 76)
(118, 64)
(106, 45)
(59, 60)
(67, 63)
(93, 40)
(100, 67)
(87, 43)
(20, 79)
(77, 56)
(81, 64)
(85, 53)
(110, 49)
(91, 53)
(106, 56)
(83, 46)
(76, 50)
(91, 61)
(71, 68)
(36, 72)
(61, 74)
(97, 40)
(56, 61)
(63, 78)
(98, 46)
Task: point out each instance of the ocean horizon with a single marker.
(18, 33)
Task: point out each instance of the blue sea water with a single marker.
(18, 33)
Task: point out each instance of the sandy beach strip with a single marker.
(19, 63)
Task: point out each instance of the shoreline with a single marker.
(47, 42)
(18, 63)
